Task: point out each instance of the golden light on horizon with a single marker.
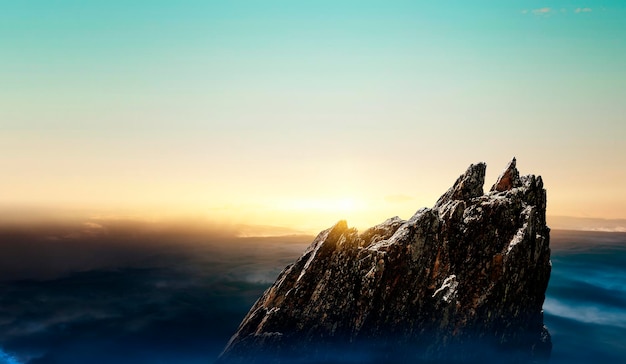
(342, 204)
(306, 191)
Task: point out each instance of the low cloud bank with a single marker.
(130, 292)
(138, 292)
(587, 224)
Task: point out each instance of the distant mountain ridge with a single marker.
(463, 281)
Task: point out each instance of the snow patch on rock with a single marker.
(448, 286)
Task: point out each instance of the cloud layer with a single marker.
(547, 11)
(174, 295)
(128, 292)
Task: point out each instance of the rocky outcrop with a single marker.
(463, 281)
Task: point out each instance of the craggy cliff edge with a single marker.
(463, 281)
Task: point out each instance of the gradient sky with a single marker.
(297, 114)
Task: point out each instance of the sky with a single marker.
(298, 114)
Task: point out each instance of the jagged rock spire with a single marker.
(467, 186)
(508, 179)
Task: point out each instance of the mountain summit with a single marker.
(463, 281)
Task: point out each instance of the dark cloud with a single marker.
(574, 341)
(123, 316)
(47, 251)
(129, 292)
(586, 298)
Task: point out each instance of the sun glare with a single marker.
(323, 205)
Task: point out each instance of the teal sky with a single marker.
(225, 107)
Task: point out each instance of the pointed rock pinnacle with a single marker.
(508, 179)
(467, 186)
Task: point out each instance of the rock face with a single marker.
(463, 281)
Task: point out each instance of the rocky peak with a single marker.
(508, 179)
(467, 186)
(461, 282)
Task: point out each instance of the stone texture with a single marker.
(463, 281)
(508, 179)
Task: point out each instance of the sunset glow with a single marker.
(163, 163)
(297, 115)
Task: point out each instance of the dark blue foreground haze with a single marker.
(585, 307)
(181, 302)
